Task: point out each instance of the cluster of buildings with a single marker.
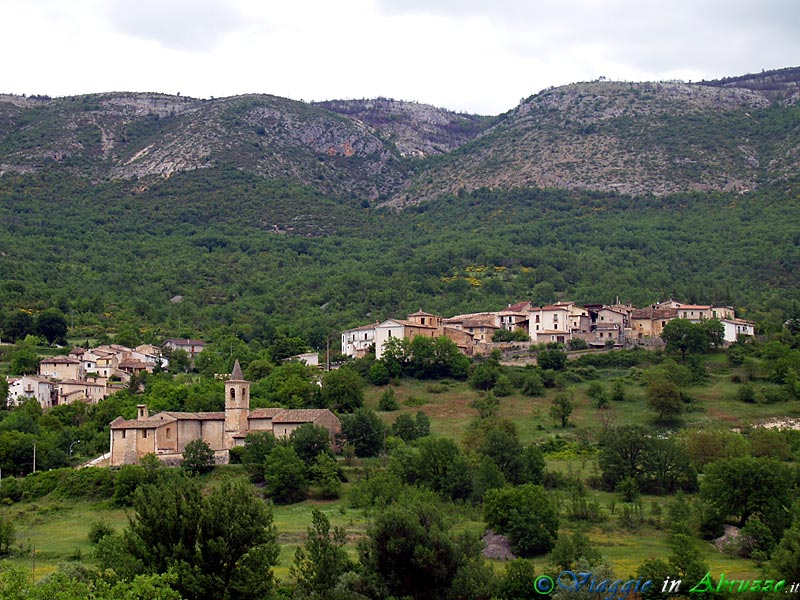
(85, 375)
(598, 325)
(166, 434)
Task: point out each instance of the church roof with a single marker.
(237, 372)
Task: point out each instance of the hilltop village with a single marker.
(596, 325)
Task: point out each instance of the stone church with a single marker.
(166, 434)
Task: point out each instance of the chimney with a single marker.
(143, 414)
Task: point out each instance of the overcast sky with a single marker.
(479, 56)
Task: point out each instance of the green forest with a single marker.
(215, 252)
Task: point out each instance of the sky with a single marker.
(476, 56)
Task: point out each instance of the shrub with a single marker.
(285, 476)
(388, 400)
(198, 457)
(526, 515)
(98, 530)
(89, 482)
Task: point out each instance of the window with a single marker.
(169, 432)
(123, 433)
(144, 433)
(233, 393)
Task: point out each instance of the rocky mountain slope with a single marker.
(734, 134)
(124, 136)
(631, 138)
(417, 130)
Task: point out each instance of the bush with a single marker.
(198, 457)
(98, 530)
(577, 344)
(129, 478)
(388, 401)
(285, 476)
(526, 515)
(746, 393)
(552, 359)
(89, 482)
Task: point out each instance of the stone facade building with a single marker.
(166, 434)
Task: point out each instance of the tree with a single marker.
(526, 514)
(569, 550)
(257, 446)
(219, 546)
(411, 551)
(785, 560)
(552, 359)
(685, 337)
(518, 581)
(18, 325)
(405, 427)
(24, 360)
(309, 441)
(285, 476)
(324, 474)
(441, 467)
(664, 398)
(623, 454)
(321, 561)
(502, 445)
(3, 393)
(388, 400)
(484, 376)
(533, 384)
(378, 374)
(714, 331)
(743, 486)
(198, 457)
(365, 430)
(561, 408)
(342, 390)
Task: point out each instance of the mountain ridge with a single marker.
(733, 134)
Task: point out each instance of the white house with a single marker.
(356, 342)
(736, 327)
(30, 386)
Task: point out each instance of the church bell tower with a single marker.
(237, 404)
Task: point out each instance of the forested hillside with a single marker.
(261, 256)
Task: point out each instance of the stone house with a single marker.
(166, 434)
(192, 347)
(650, 321)
(61, 367)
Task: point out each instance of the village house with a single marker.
(399, 328)
(357, 342)
(192, 347)
(60, 367)
(166, 434)
(650, 321)
(737, 327)
(74, 390)
(31, 386)
(481, 326)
